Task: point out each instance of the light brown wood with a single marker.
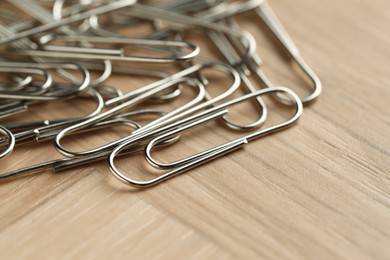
(320, 190)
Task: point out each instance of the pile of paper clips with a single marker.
(84, 43)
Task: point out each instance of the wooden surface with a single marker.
(320, 190)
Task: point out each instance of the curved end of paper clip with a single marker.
(317, 85)
(168, 175)
(315, 82)
(11, 142)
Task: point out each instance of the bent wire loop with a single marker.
(10, 142)
(32, 73)
(198, 159)
(41, 69)
(115, 111)
(18, 83)
(266, 14)
(145, 93)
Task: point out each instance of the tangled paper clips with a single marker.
(60, 51)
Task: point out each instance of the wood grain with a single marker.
(320, 190)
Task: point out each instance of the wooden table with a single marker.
(320, 190)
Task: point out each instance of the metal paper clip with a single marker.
(198, 159)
